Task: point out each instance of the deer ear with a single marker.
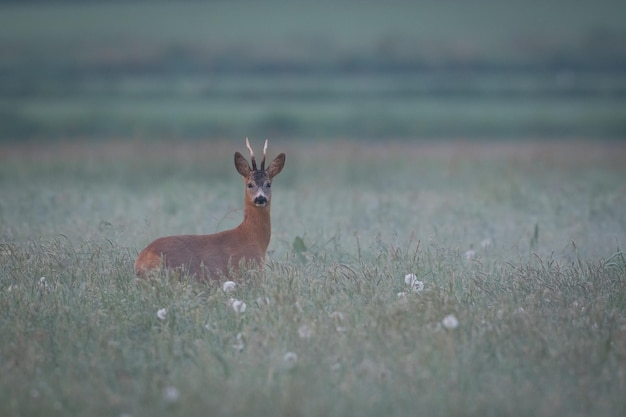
(243, 167)
(276, 166)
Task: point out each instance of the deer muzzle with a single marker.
(260, 200)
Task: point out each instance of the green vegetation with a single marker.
(521, 242)
(396, 69)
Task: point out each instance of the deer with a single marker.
(222, 254)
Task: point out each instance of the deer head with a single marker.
(258, 181)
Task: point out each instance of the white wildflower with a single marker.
(485, 243)
(470, 255)
(418, 286)
(240, 343)
(229, 286)
(338, 315)
(237, 305)
(409, 278)
(171, 394)
(290, 359)
(305, 332)
(43, 284)
(402, 295)
(262, 301)
(162, 313)
(415, 284)
(450, 321)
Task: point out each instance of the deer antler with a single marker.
(264, 154)
(252, 155)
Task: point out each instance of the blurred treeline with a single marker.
(396, 69)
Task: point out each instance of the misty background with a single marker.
(315, 70)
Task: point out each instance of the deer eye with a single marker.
(268, 185)
(250, 185)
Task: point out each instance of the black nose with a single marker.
(260, 200)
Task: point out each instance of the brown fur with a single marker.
(219, 254)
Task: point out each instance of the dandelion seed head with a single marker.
(409, 279)
(262, 301)
(43, 284)
(240, 343)
(337, 315)
(450, 322)
(162, 313)
(171, 394)
(305, 332)
(229, 286)
(290, 358)
(415, 284)
(238, 305)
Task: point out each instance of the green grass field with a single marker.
(521, 242)
(399, 69)
(372, 106)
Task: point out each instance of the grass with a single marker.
(367, 113)
(285, 69)
(541, 304)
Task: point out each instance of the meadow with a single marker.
(518, 247)
(312, 69)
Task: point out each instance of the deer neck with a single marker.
(256, 224)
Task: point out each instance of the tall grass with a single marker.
(331, 327)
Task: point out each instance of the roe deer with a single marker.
(217, 254)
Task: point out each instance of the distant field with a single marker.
(522, 242)
(448, 104)
(505, 30)
(313, 69)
